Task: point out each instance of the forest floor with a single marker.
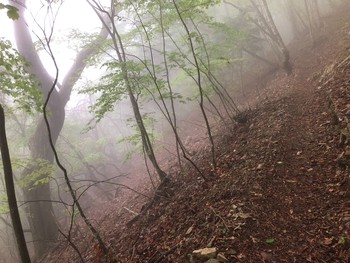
(281, 192)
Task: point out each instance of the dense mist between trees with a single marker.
(135, 98)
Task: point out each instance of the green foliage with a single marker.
(343, 240)
(16, 82)
(145, 67)
(270, 241)
(73, 215)
(78, 40)
(4, 208)
(93, 157)
(12, 12)
(135, 138)
(41, 171)
(154, 49)
(84, 147)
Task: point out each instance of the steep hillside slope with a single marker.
(281, 192)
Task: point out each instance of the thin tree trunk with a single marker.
(200, 89)
(40, 210)
(178, 143)
(152, 73)
(11, 193)
(119, 49)
(286, 57)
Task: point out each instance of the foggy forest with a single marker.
(174, 131)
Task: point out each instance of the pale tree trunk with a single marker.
(41, 217)
(40, 211)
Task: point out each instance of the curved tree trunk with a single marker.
(40, 211)
(43, 224)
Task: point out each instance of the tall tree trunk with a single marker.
(144, 134)
(199, 81)
(41, 217)
(121, 54)
(11, 194)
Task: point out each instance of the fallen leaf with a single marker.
(255, 240)
(189, 230)
(270, 241)
(291, 181)
(328, 241)
(266, 256)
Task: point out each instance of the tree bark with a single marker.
(119, 49)
(40, 210)
(272, 32)
(11, 193)
(41, 217)
(286, 57)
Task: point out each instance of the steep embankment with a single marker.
(282, 189)
(281, 195)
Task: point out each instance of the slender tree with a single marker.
(266, 18)
(41, 217)
(199, 83)
(264, 21)
(122, 61)
(11, 194)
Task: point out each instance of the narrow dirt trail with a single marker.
(279, 193)
(298, 213)
(294, 202)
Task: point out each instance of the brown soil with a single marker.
(281, 192)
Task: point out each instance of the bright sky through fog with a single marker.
(73, 14)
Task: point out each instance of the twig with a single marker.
(164, 254)
(129, 210)
(149, 205)
(223, 221)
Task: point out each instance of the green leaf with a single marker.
(16, 82)
(270, 241)
(12, 12)
(342, 240)
(4, 208)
